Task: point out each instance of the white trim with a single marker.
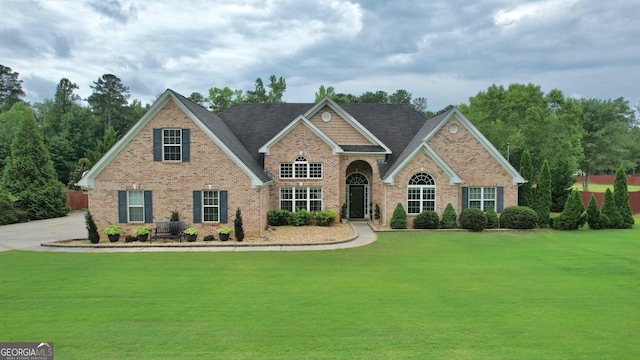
(300, 120)
(87, 180)
(326, 101)
(453, 177)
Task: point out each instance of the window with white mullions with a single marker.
(210, 205)
(482, 197)
(298, 198)
(301, 169)
(135, 205)
(172, 144)
(421, 193)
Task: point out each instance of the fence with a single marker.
(77, 200)
(634, 199)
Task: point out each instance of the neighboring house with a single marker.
(261, 157)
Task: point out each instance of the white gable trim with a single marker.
(517, 178)
(300, 120)
(348, 118)
(453, 177)
(87, 180)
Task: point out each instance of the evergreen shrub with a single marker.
(449, 218)
(518, 217)
(427, 219)
(399, 218)
(279, 217)
(473, 219)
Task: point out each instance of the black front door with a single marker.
(356, 201)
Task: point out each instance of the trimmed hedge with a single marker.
(279, 217)
(302, 217)
(325, 217)
(427, 219)
(492, 218)
(518, 217)
(473, 219)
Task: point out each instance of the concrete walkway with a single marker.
(29, 236)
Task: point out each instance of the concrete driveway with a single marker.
(29, 235)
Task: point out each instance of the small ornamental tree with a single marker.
(399, 218)
(449, 218)
(525, 196)
(492, 218)
(595, 219)
(542, 201)
(621, 198)
(92, 229)
(237, 226)
(572, 216)
(376, 212)
(610, 210)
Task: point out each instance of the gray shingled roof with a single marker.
(256, 124)
(222, 131)
(416, 141)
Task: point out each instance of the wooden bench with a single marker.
(169, 230)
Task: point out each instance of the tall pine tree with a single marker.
(29, 174)
(525, 196)
(542, 202)
(621, 198)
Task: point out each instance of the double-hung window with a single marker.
(421, 193)
(210, 205)
(135, 205)
(482, 197)
(172, 144)
(301, 197)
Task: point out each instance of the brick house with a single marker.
(260, 157)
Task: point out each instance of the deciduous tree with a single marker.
(10, 88)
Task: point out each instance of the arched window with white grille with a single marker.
(421, 193)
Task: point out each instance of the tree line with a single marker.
(587, 135)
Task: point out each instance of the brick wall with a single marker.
(172, 184)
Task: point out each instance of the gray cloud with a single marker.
(443, 50)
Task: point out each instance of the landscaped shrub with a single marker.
(209, 238)
(610, 210)
(518, 217)
(279, 217)
(302, 217)
(399, 218)
(449, 218)
(573, 216)
(525, 195)
(473, 219)
(237, 226)
(542, 200)
(174, 216)
(130, 238)
(92, 229)
(492, 218)
(325, 217)
(9, 213)
(621, 198)
(595, 219)
(376, 212)
(427, 219)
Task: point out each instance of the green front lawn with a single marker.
(433, 295)
(603, 187)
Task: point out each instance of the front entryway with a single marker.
(358, 196)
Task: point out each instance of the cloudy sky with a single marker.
(443, 50)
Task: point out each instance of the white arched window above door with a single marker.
(421, 193)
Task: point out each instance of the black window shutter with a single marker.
(122, 206)
(157, 144)
(223, 207)
(148, 210)
(465, 198)
(197, 206)
(500, 199)
(186, 145)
